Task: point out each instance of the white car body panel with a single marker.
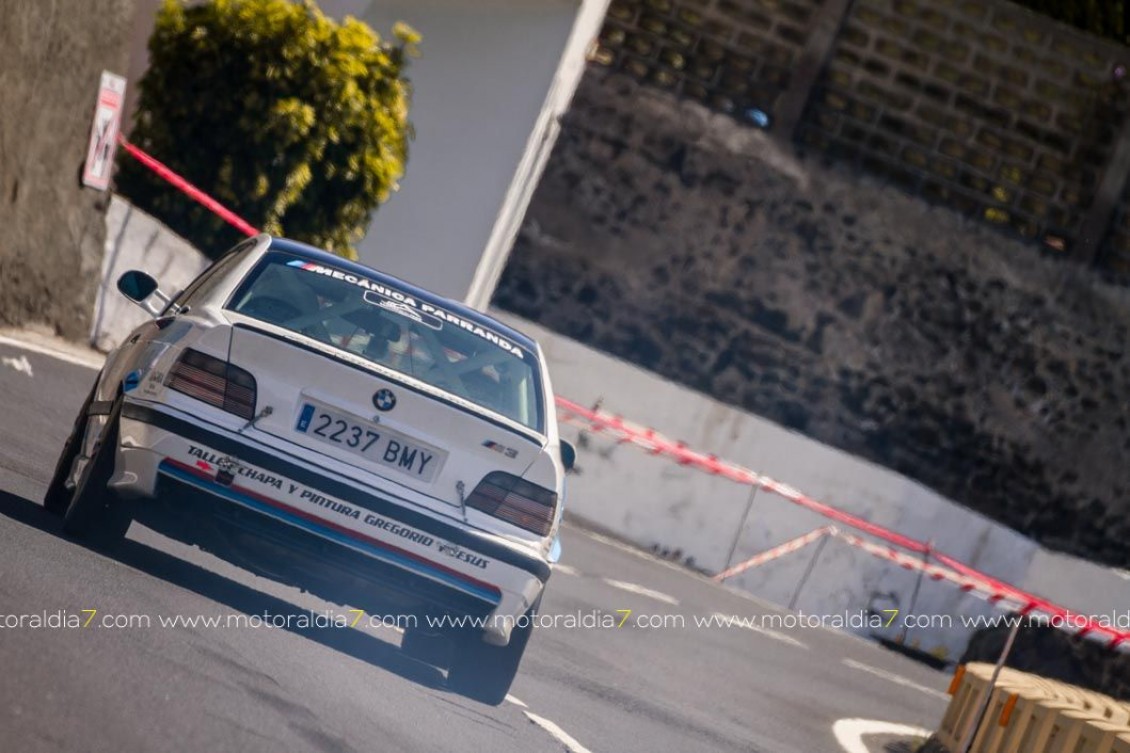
(400, 515)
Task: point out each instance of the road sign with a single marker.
(104, 132)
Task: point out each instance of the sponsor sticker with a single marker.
(404, 304)
(229, 470)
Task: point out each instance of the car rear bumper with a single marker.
(286, 500)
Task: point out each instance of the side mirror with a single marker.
(138, 287)
(568, 455)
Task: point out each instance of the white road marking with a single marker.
(90, 360)
(632, 550)
(20, 364)
(697, 578)
(557, 733)
(565, 569)
(850, 732)
(642, 591)
(748, 624)
(516, 701)
(898, 680)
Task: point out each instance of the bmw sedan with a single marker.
(336, 429)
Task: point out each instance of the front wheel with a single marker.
(483, 672)
(94, 512)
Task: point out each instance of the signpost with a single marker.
(104, 132)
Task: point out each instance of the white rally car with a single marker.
(337, 429)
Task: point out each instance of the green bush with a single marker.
(296, 123)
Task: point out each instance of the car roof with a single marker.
(455, 307)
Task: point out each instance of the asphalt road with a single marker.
(337, 690)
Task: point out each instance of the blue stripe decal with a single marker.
(305, 417)
(385, 556)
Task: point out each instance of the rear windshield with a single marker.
(392, 328)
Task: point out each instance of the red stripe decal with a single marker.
(339, 528)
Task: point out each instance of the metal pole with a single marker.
(741, 528)
(808, 572)
(983, 705)
(914, 595)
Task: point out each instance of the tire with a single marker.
(428, 648)
(484, 673)
(94, 513)
(58, 495)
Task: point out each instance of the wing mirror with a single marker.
(142, 290)
(568, 455)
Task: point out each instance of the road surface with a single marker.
(149, 687)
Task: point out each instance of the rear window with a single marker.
(394, 329)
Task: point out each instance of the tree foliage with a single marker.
(297, 123)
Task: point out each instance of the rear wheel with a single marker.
(430, 648)
(58, 493)
(484, 672)
(95, 513)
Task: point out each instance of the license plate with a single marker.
(373, 442)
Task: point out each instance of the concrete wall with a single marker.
(478, 88)
(696, 518)
(1059, 576)
(134, 240)
(538, 148)
(52, 55)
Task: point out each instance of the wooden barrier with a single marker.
(1121, 744)
(1031, 714)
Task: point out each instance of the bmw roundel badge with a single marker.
(384, 400)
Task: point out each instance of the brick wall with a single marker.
(984, 107)
(730, 55)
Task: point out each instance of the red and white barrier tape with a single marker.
(656, 444)
(954, 571)
(800, 542)
(194, 193)
(1008, 599)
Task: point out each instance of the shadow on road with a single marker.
(238, 597)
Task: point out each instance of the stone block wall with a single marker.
(837, 305)
(52, 55)
(981, 106)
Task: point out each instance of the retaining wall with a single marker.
(702, 520)
(134, 240)
(52, 55)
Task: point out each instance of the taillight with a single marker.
(214, 381)
(516, 501)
